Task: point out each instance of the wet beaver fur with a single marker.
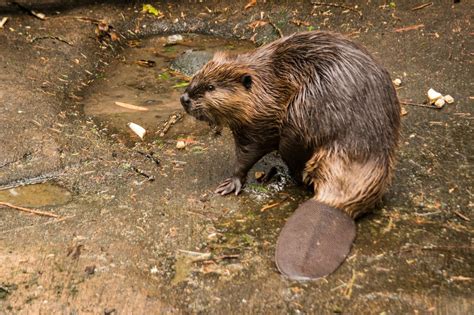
(332, 113)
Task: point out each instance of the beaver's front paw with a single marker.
(229, 185)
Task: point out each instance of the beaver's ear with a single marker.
(247, 81)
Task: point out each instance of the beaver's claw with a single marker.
(229, 185)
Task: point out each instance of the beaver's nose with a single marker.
(185, 101)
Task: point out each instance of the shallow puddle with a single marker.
(143, 77)
(38, 195)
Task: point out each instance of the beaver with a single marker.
(330, 110)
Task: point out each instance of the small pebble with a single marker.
(433, 96)
(439, 103)
(174, 39)
(448, 99)
(180, 145)
(397, 82)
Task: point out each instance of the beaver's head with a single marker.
(221, 92)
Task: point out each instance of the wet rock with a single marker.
(174, 39)
(190, 61)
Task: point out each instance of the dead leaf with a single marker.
(256, 24)
(250, 4)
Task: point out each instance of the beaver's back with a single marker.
(343, 97)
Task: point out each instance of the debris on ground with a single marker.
(173, 119)
(137, 129)
(409, 28)
(38, 15)
(397, 82)
(32, 211)
(130, 106)
(174, 39)
(3, 21)
(148, 8)
(146, 63)
(448, 99)
(433, 95)
(180, 144)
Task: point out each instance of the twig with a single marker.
(419, 105)
(422, 6)
(336, 5)
(280, 33)
(33, 211)
(266, 207)
(409, 28)
(462, 216)
(350, 284)
(142, 173)
(149, 156)
(51, 37)
(227, 257)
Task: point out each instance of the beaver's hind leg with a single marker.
(317, 238)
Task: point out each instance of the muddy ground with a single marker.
(129, 243)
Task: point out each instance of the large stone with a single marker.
(190, 61)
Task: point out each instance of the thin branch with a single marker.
(51, 37)
(419, 105)
(33, 211)
(280, 33)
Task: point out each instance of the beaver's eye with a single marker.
(211, 87)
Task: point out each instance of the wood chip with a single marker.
(130, 106)
(3, 21)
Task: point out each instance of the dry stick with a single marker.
(462, 216)
(266, 207)
(336, 5)
(419, 105)
(51, 37)
(280, 33)
(33, 211)
(422, 6)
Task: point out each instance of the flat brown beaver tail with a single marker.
(349, 184)
(314, 241)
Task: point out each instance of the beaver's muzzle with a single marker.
(186, 101)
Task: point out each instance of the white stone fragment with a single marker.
(433, 96)
(137, 129)
(448, 99)
(180, 144)
(439, 103)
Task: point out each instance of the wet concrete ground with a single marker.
(127, 244)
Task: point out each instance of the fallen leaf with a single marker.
(148, 8)
(257, 23)
(250, 4)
